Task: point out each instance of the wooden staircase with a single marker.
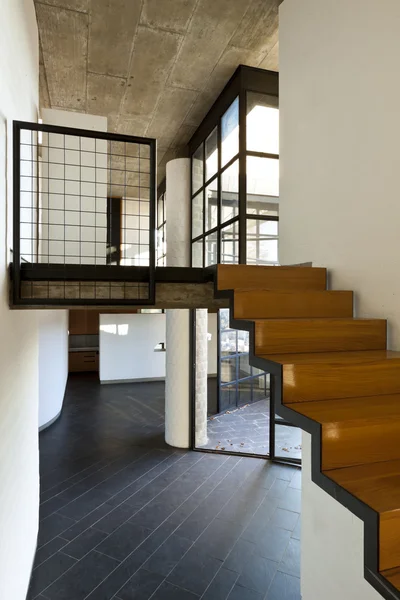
(334, 377)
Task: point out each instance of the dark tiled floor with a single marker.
(124, 517)
(246, 429)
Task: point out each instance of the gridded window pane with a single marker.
(262, 123)
(244, 388)
(262, 177)
(197, 169)
(212, 154)
(224, 319)
(228, 369)
(262, 242)
(197, 253)
(211, 242)
(197, 215)
(228, 342)
(244, 366)
(230, 132)
(259, 388)
(230, 243)
(230, 192)
(243, 341)
(287, 441)
(211, 205)
(228, 396)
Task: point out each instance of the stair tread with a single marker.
(393, 576)
(375, 484)
(351, 409)
(359, 356)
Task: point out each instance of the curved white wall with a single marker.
(53, 363)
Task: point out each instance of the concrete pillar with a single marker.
(177, 383)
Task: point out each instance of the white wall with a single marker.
(74, 179)
(19, 467)
(127, 345)
(53, 363)
(332, 564)
(339, 208)
(212, 354)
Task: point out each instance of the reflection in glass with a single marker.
(259, 388)
(287, 441)
(262, 177)
(230, 243)
(230, 132)
(262, 123)
(228, 395)
(244, 366)
(230, 192)
(197, 215)
(211, 205)
(197, 254)
(211, 242)
(262, 242)
(244, 388)
(228, 343)
(197, 169)
(212, 154)
(228, 369)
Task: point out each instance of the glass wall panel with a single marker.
(228, 369)
(244, 389)
(262, 123)
(197, 253)
(212, 154)
(211, 205)
(197, 169)
(230, 132)
(262, 242)
(287, 441)
(230, 243)
(230, 192)
(211, 242)
(197, 215)
(262, 176)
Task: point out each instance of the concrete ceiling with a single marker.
(153, 67)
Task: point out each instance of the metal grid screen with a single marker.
(83, 200)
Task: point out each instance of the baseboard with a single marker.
(53, 420)
(146, 379)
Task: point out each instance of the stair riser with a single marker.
(260, 304)
(357, 443)
(323, 335)
(326, 381)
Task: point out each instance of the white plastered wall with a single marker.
(339, 208)
(19, 468)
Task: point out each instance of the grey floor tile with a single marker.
(258, 574)
(291, 500)
(290, 563)
(123, 541)
(84, 576)
(221, 585)
(218, 539)
(91, 519)
(141, 586)
(84, 543)
(48, 571)
(168, 555)
(297, 530)
(284, 519)
(272, 543)
(167, 591)
(52, 527)
(240, 593)
(114, 518)
(296, 480)
(44, 552)
(195, 571)
(284, 587)
(239, 556)
(278, 488)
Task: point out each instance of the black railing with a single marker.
(84, 209)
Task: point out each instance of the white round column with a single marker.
(177, 366)
(177, 376)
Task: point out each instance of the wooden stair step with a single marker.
(281, 304)
(356, 431)
(278, 278)
(326, 376)
(319, 335)
(378, 486)
(393, 576)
